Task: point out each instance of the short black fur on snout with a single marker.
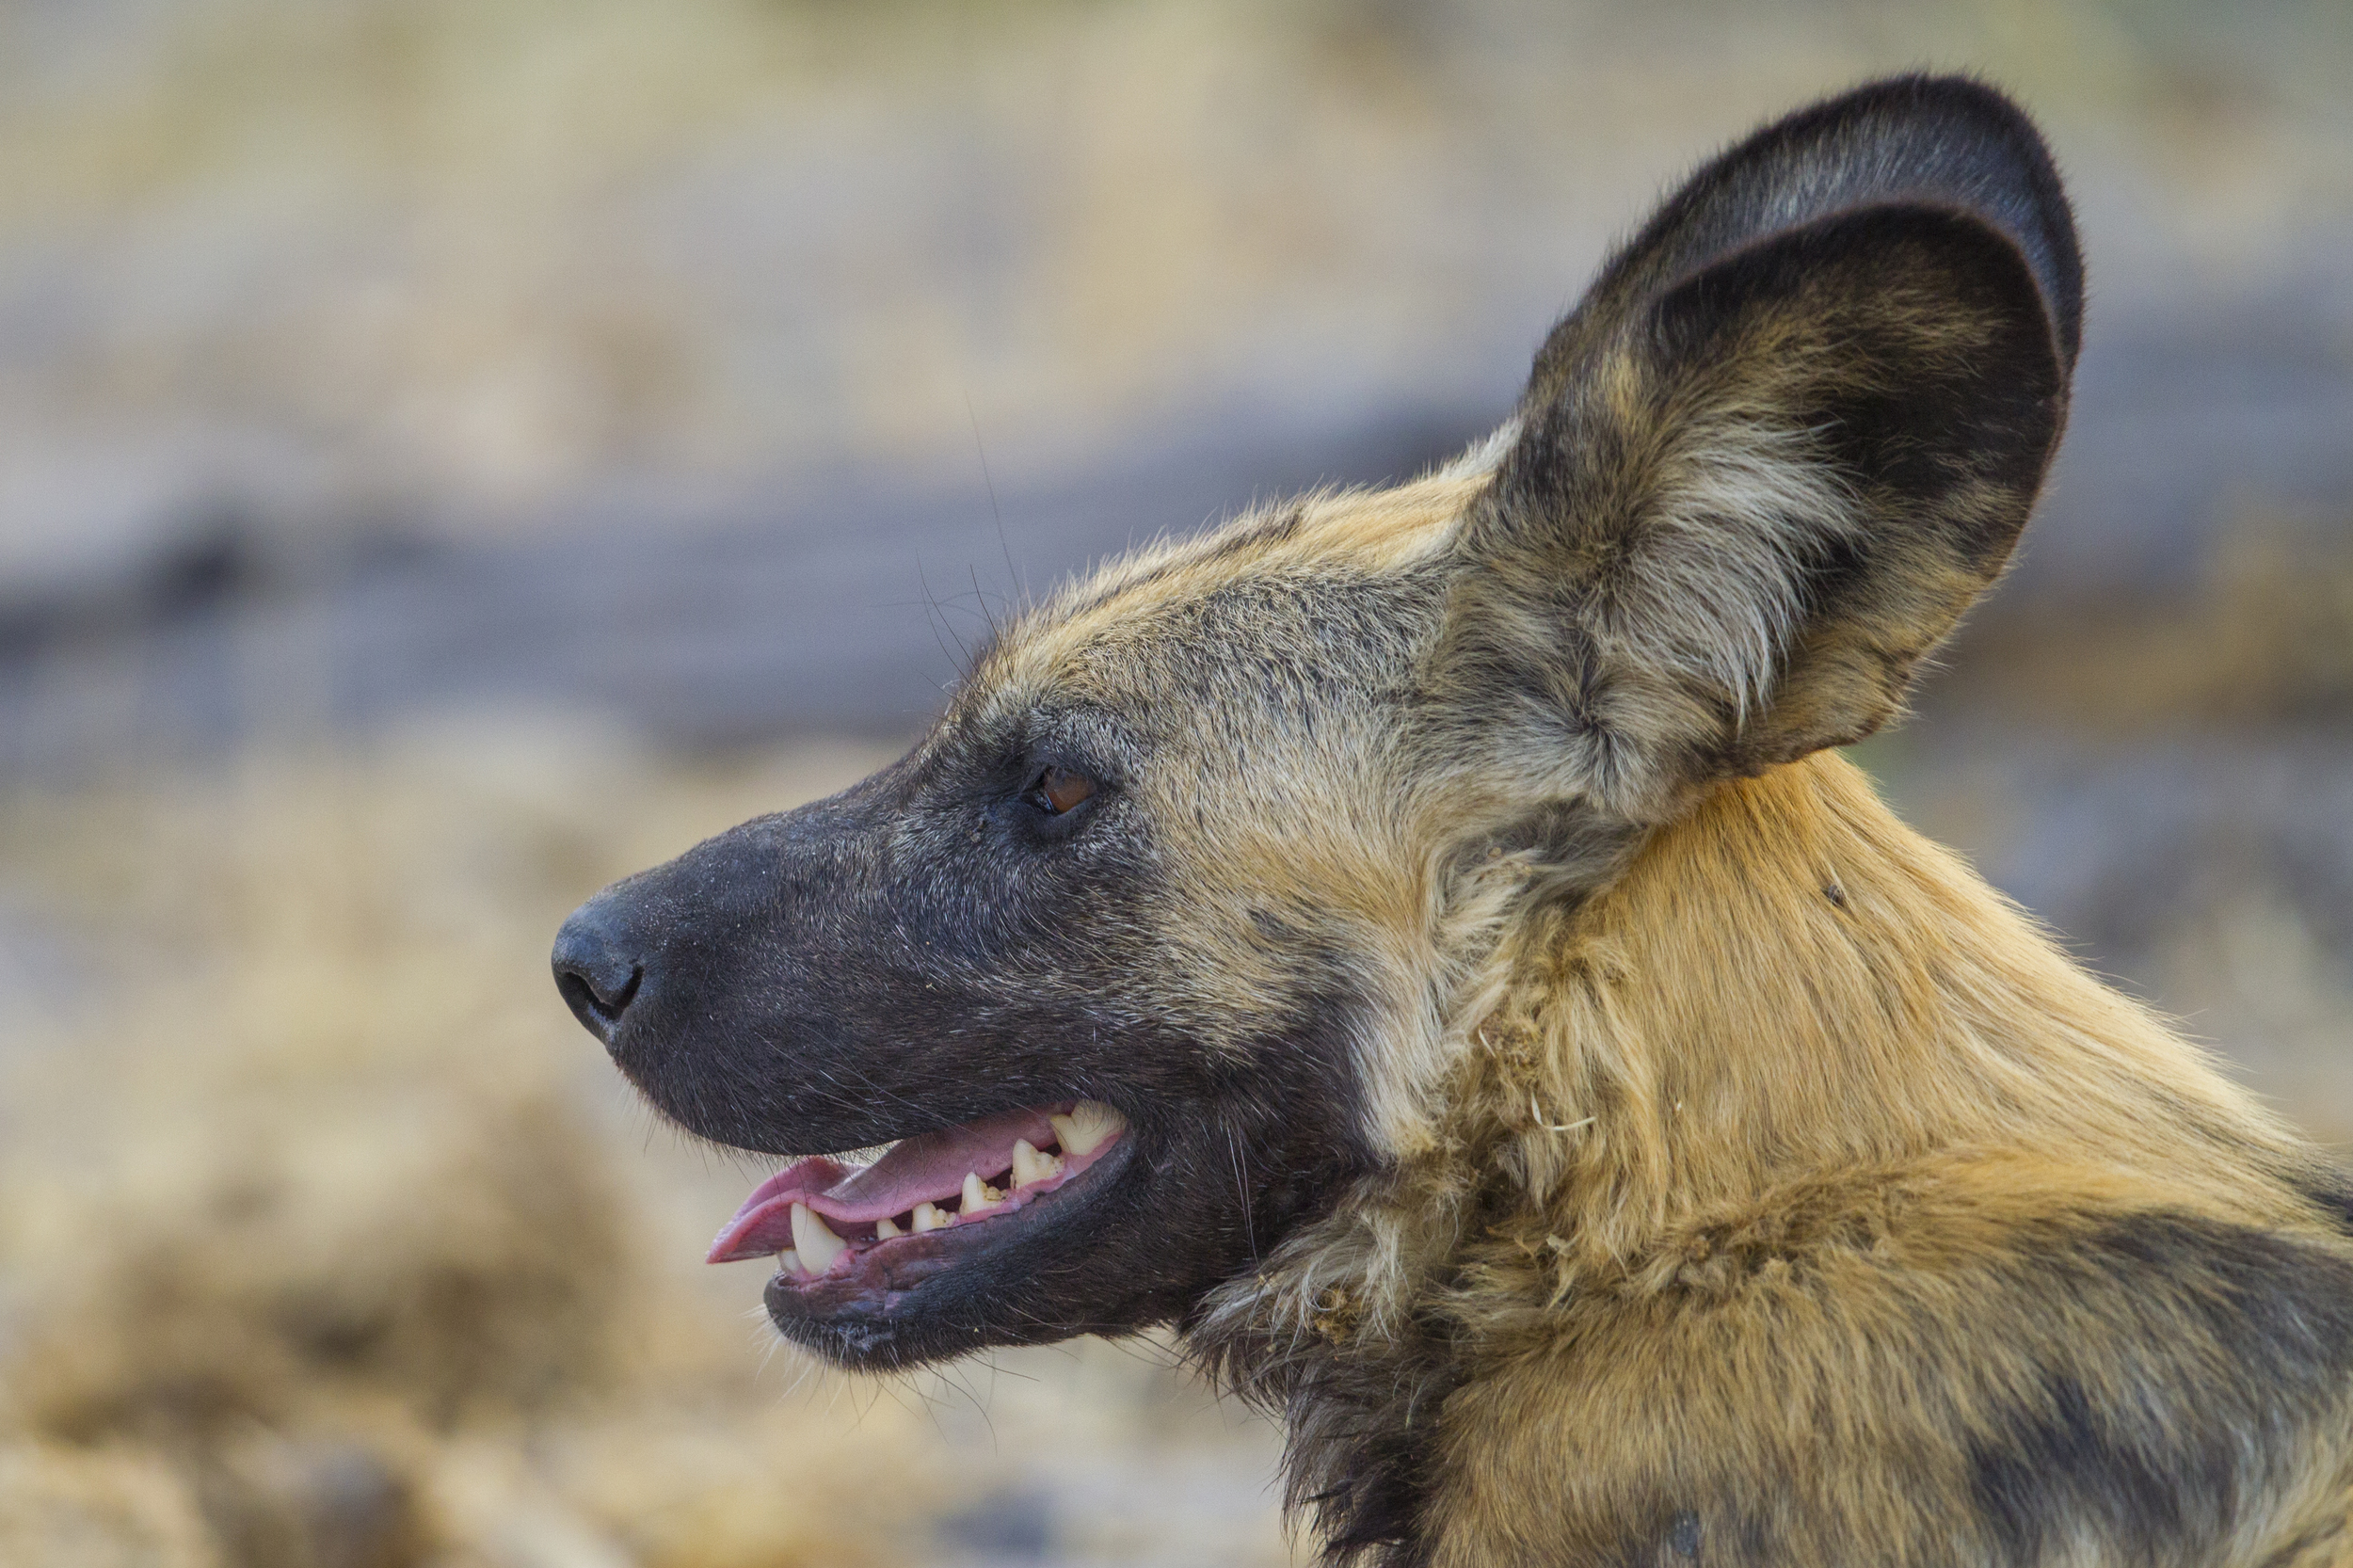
(927, 949)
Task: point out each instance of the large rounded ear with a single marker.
(1795, 429)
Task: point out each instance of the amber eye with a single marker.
(1058, 790)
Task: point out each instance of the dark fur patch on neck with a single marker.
(2333, 1194)
(1360, 1422)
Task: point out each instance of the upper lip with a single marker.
(1039, 1149)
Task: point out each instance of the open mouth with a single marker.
(826, 1223)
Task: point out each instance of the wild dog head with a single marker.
(1151, 951)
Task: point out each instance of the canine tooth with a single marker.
(1029, 1165)
(817, 1245)
(928, 1217)
(1089, 1123)
(885, 1229)
(979, 1195)
(788, 1261)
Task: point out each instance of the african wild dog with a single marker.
(1422, 945)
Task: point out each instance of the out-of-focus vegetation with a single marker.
(327, 1240)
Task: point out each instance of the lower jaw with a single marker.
(875, 1341)
(912, 1311)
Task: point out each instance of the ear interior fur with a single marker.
(1746, 497)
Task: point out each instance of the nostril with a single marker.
(597, 1006)
(596, 977)
(619, 998)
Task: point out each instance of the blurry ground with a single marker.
(451, 454)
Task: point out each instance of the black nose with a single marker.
(595, 971)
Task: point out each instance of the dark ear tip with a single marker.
(2008, 173)
(1939, 141)
(1962, 91)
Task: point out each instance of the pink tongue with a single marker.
(924, 1169)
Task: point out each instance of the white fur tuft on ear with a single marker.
(1740, 509)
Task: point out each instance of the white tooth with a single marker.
(1031, 1166)
(928, 1217)
(817, 1245)
(885, 1229)
(788, 1261)
(1090, 1124)
(979, 1196)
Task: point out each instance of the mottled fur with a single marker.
(1644, 1148)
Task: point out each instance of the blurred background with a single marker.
(456, 452)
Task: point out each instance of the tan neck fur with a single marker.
(1790, 984)
(1788, 996)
